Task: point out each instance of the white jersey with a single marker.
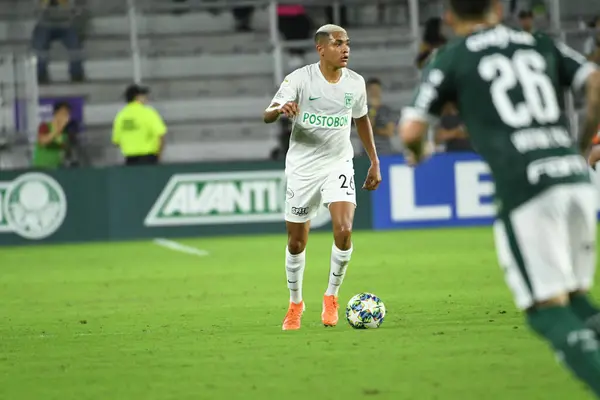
(320, 140)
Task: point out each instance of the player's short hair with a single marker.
(324, 32)
(373, 81)
(471, 9)
(525, 14)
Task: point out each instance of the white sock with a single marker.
(339, 262)
(294, 269)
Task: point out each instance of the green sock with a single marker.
(575, 345)
(587, 311)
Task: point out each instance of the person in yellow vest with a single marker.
(52, 140)
(138, 129)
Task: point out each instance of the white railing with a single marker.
(133, 38)
(19, 107)
(276, 42)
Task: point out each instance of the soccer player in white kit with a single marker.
(322, 99)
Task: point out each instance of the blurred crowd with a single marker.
(64, 21)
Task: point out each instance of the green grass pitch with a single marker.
(138, 321)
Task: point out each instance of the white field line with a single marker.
(175, 246)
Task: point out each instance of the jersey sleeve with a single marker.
(289, 89)
(573, 67)
(359, 108)
(435, 89)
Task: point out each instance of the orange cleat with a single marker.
(293, 317)
(329, 316)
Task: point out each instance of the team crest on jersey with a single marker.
(348, 100)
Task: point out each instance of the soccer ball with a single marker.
(365, 311)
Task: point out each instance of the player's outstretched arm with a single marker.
(592, 118)
(434, 93)
(271, 114)
(413, 132)
(365, 132)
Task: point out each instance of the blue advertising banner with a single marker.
(450, 189)
(447, 190)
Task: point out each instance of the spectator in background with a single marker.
(539, 8)
(451, 132)
(294, 24)
(526, 22)
(591, 48)
(138, 129)
(433, 38)
(57, 22)
(243, 18)
(383, 119)
(52, 140)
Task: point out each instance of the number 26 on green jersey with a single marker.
(528, 69)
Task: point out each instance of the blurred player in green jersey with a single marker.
(508, 87)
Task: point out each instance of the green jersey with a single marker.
(508, 86)
(50, 155)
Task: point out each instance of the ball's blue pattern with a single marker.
(365, 310)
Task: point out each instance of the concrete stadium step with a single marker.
(192, 152)
(212, 109)
(111, 46)
(101, 46)
(162, 89)
(192, 131)
(11, 10)
(198, 22)
(205, 109)
(165, 23)
(223, 65)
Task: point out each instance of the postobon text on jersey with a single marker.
(325, 120)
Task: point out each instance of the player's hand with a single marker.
(413, 159)
(61, 122)
(592, 156)
(373, 178)
(290, 109)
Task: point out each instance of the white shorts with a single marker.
(547, 246)
(304, 197)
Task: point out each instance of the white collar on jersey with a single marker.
(342, 77)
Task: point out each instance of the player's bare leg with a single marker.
(342, 216)
(294, 268)
(575, 344)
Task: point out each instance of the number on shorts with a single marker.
(347, 182)
(527, 69)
